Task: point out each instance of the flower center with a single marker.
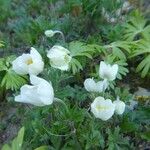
(67, 58)
(98, 107)
(29, 61)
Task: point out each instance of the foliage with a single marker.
(136, 27)
(143, 48)
(10, 80)
(138, 30)
(17, 142)
(1, 44)
(80, 49)
(90, 38)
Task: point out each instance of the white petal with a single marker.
(36, 68)
(101, 86)
(64, 67)
(103, 109)
(59, 62)
(46, 93)
(28, 63)
(18, 98)
(119, 106)
(57, 51)
(62, 49)
(105, 84)
(19, 64)
(49, 33)
(38, 65)
(36, 80)
(107, 71)
(27, 96)
(89, 85)
(114, 72)
(39, 95)
(102, 69)
(35, 54)
(59, 57)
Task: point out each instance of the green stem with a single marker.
(62, 35)
(62, 102)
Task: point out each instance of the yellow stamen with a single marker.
(66, 58)
(29, 61)
(98, 107)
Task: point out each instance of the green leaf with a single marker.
(75, 65)
(128, 126)
(13, 81)
(17, 142)
(145, 136)
(1, 44)
(2, 64)
(118, 53)
(42, 148)
(136, 26)
(6, 147)
(144, 66)
(80, 49)
(142, 47)
(20, 137)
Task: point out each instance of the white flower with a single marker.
(102, 109)
(28, 63)
(119, 106)
(40, 93)
(91, 86)
(59, 57)
(108, 72)
(51, 33)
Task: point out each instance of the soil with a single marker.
(9, 123)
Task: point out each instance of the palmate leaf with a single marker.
(5, 63)
(2, 64)
(75, 65)
(13, 81)
(143, 49)
(118, 49)
(1, 44)
(122, 69)
(80, 49)
(144, 66)
(136, 26)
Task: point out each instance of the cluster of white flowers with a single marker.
(92, 86)
(41, 92)
(104, 109)
(101, 108)
(32, 63)
(107, 73)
